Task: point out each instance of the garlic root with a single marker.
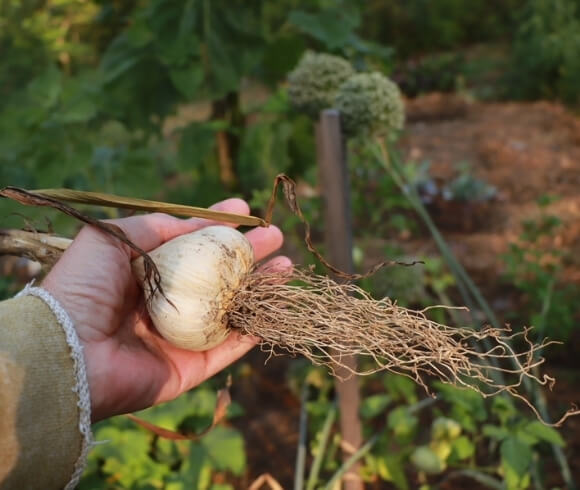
(210, 286)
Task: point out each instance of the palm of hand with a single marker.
(129, 365)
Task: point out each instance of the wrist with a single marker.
(81, 386)
(79, 347)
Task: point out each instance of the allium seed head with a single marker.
(312, 85)
(370, 103)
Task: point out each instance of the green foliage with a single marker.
(128, 456)
(333, 26)
(376, 200)
(442, 72)
(545, 62)
(466, 187)
(6, 288)
(461, 431)
(534, 266)
(424, 26)
(92, 89)
(374, 405)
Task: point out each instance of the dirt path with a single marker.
(525, 150)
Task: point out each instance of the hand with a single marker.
(129, 365)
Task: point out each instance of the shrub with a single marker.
(544, 60)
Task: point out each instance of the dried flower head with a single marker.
(370, 103)
(312, 85)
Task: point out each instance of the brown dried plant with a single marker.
(316, 317)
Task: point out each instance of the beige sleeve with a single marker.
(41, 439)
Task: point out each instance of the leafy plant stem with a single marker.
(302, 442)
(478, 477)
(546, 304)
(538, 484)
(350, 461)
(324, 436)
(541, 399)
(420, 405)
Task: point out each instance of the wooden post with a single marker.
(334, 184)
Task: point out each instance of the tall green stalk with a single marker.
(302, 441)
(318, 459)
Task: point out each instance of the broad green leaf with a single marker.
(119, 57)
(198, 141)
(544, 433)
(235, 409)
(401, 388)
(513, 481)
(462, 448)
(318, 408)
(374, 405)
(139, 34)
(188, 80)
(515, 455)
(81, 110)
(495, 432)
(223, 71)
(445, 428)
(525, 437)
(391, 468)
(176, 485)
(126, 456)
(123, 444)
(188, 18)
(264, 153)
(503, 409)
(402, 423)
(166, 452)
(467, 406)
(281, 56)
(225, 447)
(199, 402)
(427, 460)
(441, 448)
(46, 89)
(196, 470)
(176, 51)
(333, 27)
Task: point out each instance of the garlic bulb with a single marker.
(199, 272)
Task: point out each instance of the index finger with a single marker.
(152, 230)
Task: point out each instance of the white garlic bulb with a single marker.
(199, 272)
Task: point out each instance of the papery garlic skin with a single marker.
(200, 272)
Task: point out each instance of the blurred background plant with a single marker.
(189, 102)
(534, 266)
(544, 61)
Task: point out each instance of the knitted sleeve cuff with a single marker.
(81, 387)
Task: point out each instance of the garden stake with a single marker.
(332, 162)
